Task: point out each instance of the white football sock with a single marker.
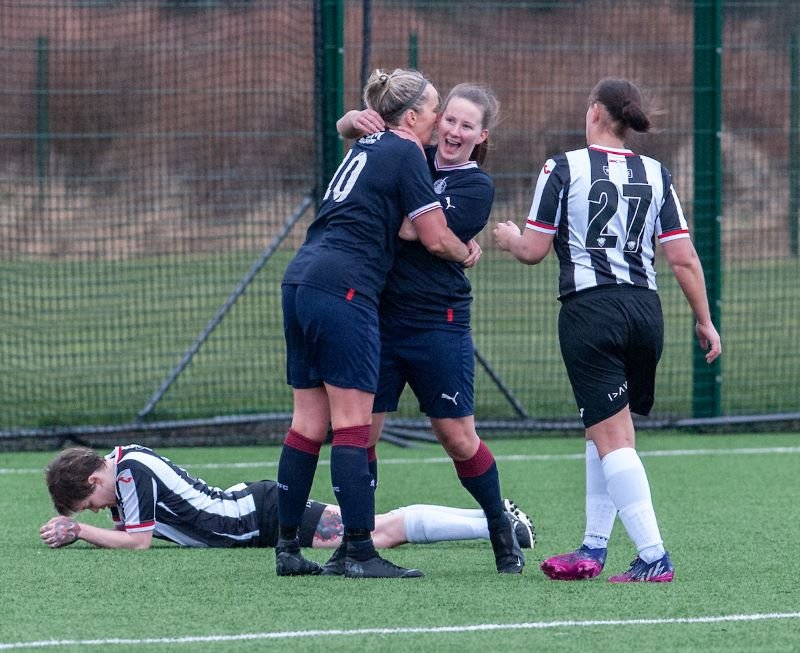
(626, 482)
(600, 509)
(424, 523)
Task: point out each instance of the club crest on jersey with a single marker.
(631, 245)
(439, 186)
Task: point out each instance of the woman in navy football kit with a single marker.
(425, 308)
(330, 304)
(603, 208)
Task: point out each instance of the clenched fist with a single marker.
(60, 531)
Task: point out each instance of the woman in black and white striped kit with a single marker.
(602, 208)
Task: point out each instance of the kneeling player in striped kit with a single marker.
(149, 496)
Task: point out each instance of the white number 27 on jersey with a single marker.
(604, 199)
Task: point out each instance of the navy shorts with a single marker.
(611, 340)
(330, 339)
(438, 365)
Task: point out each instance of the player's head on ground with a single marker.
(468, 115)
(77, 479)
(404, 98)
(616, 106)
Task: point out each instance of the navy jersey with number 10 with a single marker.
(606, 207)
(350, 246)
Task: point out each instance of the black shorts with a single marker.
(265, 494)
(611, 341)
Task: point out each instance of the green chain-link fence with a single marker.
(160, 162)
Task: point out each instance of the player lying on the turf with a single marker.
(149, 496)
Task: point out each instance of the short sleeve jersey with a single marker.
(350, 246)
(153, 494)
(423, 289)
(606, 207)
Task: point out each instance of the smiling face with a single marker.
(460, 130)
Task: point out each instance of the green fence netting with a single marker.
(160, 162)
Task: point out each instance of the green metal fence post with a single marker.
(706, 395)
(332, 84)
(794, 147)
(42, 112)
(412, 50)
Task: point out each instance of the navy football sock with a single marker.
(352, 482)
(372, 460)
(296, 469)
(359, 545)
(480, 478)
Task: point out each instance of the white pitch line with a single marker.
(503, 458)
(297, 634)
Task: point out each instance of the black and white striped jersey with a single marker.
(605, 208)
(155, 494)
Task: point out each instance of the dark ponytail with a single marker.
(624, 103)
